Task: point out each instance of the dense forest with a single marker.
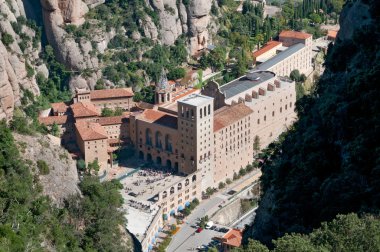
(29, 222)
(328, 163)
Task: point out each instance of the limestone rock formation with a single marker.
(176, 19)
(75, 55)
(62, 179)
(18, 58)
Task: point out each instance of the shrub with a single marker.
(29, 70)
(81, 165)
(221, 185)
(176, 73)
(242, 172)
(7, 39)
(228, 181)
(43, 167)
(249, 168)
(236, 176)
(195, 201)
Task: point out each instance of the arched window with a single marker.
(168, 143)
(158, 140)
(148, 136)
(187, 182)
(171, 190)
(194, 178)
(164, 194)
(179, 187)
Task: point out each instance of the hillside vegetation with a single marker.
(29, 222)
(328, 163)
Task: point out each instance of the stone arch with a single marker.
(169, 163)
(159, 160)
(149, 157)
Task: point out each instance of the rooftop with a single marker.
(233, 237)
(332, 34)
(269, 46)
(111, 93)
(243, 83)
(294, 34)
(159, 117)
(89, 131)
(50, 120)
(84, 109)
(280, 57)
(229, 114)
(59, 107)
(196, 100)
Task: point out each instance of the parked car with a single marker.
(199, 230)
(223, 230)
(213, 228)
(209, 225)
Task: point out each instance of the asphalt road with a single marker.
(186, 238)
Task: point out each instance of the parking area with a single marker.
(201, 241)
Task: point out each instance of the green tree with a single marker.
(118, 111)
(107, 112)
(54, 129)
(315, 18)
(176, 73)
(7, 39)
(81, 165)
(93, 166)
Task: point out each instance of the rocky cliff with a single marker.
(19, 60)
(80, 54)
(62, 179)
(328, 162)
(176, 18)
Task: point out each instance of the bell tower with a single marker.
(163, 92)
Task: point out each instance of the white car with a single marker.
(209, 224)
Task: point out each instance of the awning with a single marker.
(172, 212)
(180, 208)
(187, 203)
(165, 216)
(153, 241)
(150, 247)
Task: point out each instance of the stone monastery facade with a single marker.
(209, 132)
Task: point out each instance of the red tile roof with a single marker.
(332, 34)
(159, 117)
(111, 93)
(269, 46)
(59, 107)
(233, 238)
(229, 114)
(186, 93)
(294, 34)
(50, 120)
(84, 109)
(89, 131)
